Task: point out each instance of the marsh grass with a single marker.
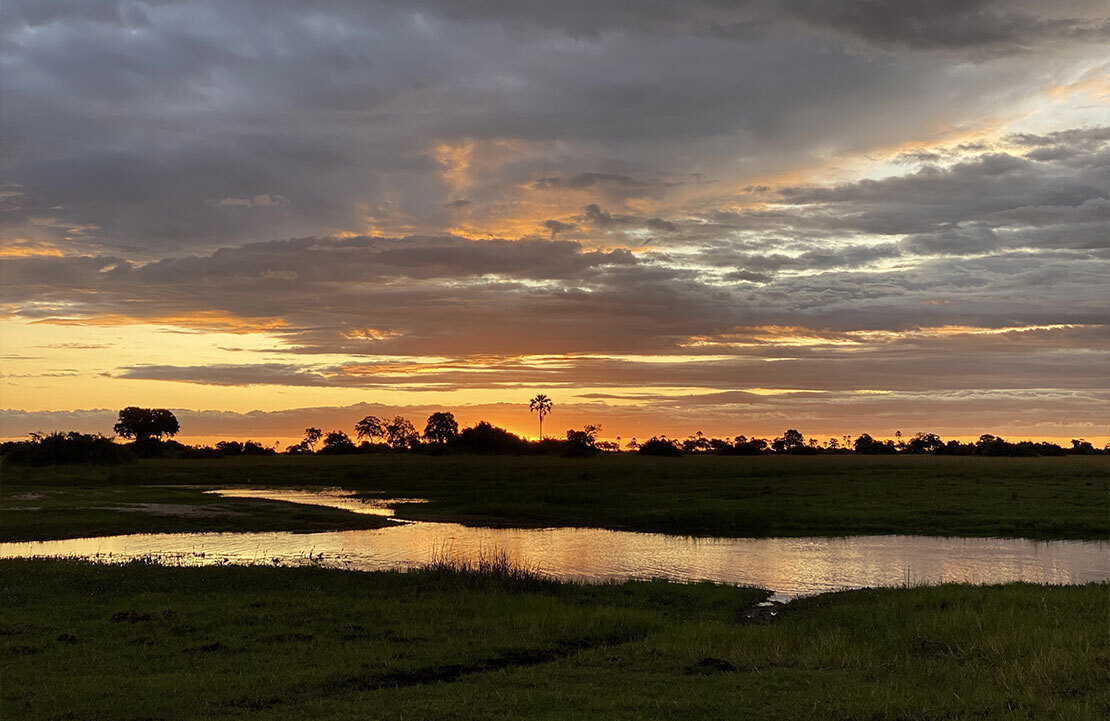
(141, 640)
(1040, 498)
(489, 568)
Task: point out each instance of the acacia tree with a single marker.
(587, 437)
(441, 427)
(312, 436)
(370, 427)
(337, 442)
(541, 405)
(143, 423)
(400, 433)
(790, 442)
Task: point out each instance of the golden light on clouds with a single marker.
(870, 221)
(201, 320)
(371, 334)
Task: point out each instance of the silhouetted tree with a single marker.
(337, 442)
(370, 427)
(541, 405)
(696, 443)
(1081, 447)
(659, 447)
(583, 439)
(400, 433)
(312, 436)
(144, 423)
(868, 445)
(924, 443)
(229, 448)
(744, 446)
(64, 448)
(441, 427)
(790, 442)
(487, 438)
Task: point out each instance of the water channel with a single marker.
(790, 567)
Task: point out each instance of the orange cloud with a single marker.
(201, 320)
(22, 248)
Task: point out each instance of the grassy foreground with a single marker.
(84, 641)
(714, 496)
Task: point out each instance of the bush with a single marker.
(154, 448)
(488, 438)
(659, 447)
(66, 448)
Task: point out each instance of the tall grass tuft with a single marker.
(490, 569)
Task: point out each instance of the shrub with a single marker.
(659, 447)
(66, 448)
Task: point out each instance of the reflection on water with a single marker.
(788, 566)
(330, 497)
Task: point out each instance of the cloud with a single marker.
(557, 226)
(469, 184)
(262, 200)
(329, 122)
(598, 217)
(660, 224)
(982, 25)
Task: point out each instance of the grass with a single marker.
(41, 512)
(125, 642)
(1040, 498)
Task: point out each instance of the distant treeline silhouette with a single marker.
(151, 431)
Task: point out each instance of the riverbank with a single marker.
(145, 641)
(1037, 498)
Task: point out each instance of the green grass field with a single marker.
(83, 641)
(1038, 498)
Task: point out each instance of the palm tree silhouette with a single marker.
(540, 404)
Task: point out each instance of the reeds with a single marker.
(487, 569)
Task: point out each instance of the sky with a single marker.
(841, 216)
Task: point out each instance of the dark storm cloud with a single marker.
(150, 129)
(886, 24)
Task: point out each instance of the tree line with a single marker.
(151, 430)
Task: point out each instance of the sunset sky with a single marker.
(668, 216)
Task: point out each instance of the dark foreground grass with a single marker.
(81, 641)
(714, 496)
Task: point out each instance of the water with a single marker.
(790, 567)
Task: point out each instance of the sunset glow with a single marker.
(707, 219)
